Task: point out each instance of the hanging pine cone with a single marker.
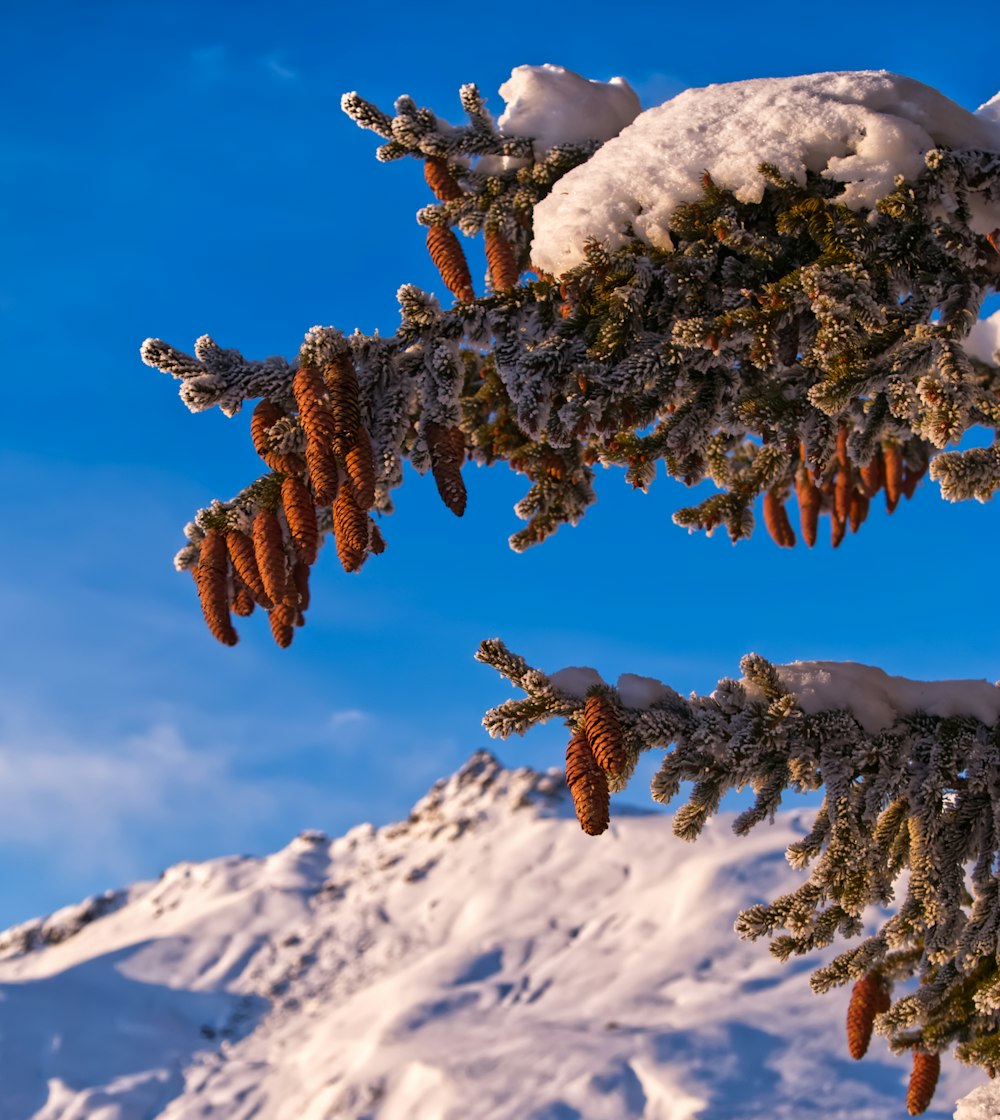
(923, 1081)
(345, 403)
(809, 502)
(868, 999)
(300, 513)
(776, 520)
(838, 529)
(589, 786)
(244, 557)
(604, 733)
(350, 528)
(300, 581)
(212, 580)
(361, 471)
(243, 603)
(500, 259)
(911, 476)
(440, 180)
(873, 475)
(447, 255)
(376, 540)
(893, 456)
(324, 473)
(264, 417)
(447, 450)
(282, 620)
(858, 511)
(269, 549)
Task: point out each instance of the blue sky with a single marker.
(173, 169)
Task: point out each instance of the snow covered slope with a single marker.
(482, 960)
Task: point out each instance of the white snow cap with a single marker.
(983, 341)
(990, 111)
(861, 127)
(554, 105)
(875, 698)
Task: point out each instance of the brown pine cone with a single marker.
(893, 455)
(324, 474)
(589, 786)
(345, 403)
(923, 1081)
(361, 471)
(838, 529)
(377, 541)
(264, 417)
(350, 528)
(911, 478)
(873, 475)
(868, 999)
(243, 603)
(300, 513)
(809, 502)
(776, 520)
(300, 581)
(858, 511)
(244, 557)
(447, 255)
(842, 491)
(500, 259)
(440, 180)
(269, 548)
(212, 580)
(314, 405)
(447, 449)
(604, 733)
(282, 620)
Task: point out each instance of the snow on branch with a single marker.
(910, 772)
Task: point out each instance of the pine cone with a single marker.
(604, 733)
(440, 180)
(264, 417)
(300, 513)
(842, 492)
(447, 449)
(911, 478)
(361, 471)
(377, 541)
(809, 502)
(893, 455)
(300, 581)
(244, 557)
(500, 258)
(324, 474)
(923, 1081)
(776, 520)
(873, 476)
(447, 255)
(589, 786)
(269, 549)
(350, 527)
(282, 620)
(858, 511)
(345, 404)
(868, 999)
(838, 529)
(243, 603)
(212, 580)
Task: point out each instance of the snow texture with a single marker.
(982, 1103)
(990, 111)
(861, 127)
(983, 341)
(875, 698)
(483, 959)
(554, 105)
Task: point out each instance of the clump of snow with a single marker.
(554, 105)
(983, 340)
(860, 127)
(982, 1103)
(990, 111)
(576, 680)
(642, 692)
(875, 698)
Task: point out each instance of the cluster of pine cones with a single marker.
(595, 753)
(268, 566)
(845, 491)
(869, 998)
(446, 251)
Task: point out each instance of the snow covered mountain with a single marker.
(483, 959)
